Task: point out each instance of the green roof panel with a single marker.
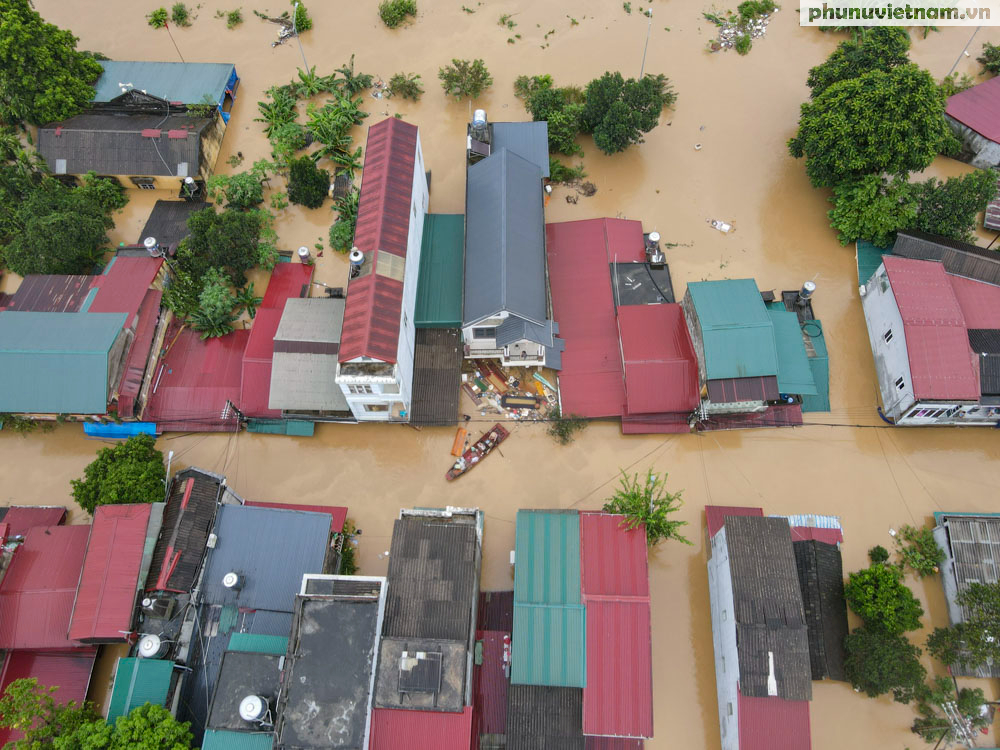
(276, 645)
(222, 739)
(56, 363)
(794, 374)
(440, 281)
(188, 83)
(550, 645)
(819, 363)
(138, 682)
(869, 258)
(736, 331)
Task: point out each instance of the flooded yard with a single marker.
(741, 111)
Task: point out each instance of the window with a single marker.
(729, 709)
(376, 407)
(484, 333)
(360, 389)
(724, 615)
(390, 388)
(144, 183)
(899, 383)
(887, 336)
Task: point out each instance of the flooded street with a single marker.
(742, 111)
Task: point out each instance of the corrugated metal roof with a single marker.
(254, 643)
(794, 375)
(591, 382)
(271, 549)
(437, 376)
(942, 365)
(123, 285)
(187, 83)
(223, 739)
(729, 390)
(167, 222)
(773, 724)
(337, 513)
(821, 579)
(612, 743)
(819, 365)
(715, 515)
(547, 567)
(550, 645)
(439, 286)
(529, 140)
(36, 594)
(490, 691)
(56, 362)
(544, 718)
(869, 258)
(959, 258)
(304, 364)
(374, 301)
(137, 682)
(394, 728)
(20, 518)
(613, 557)
(661, 369)
(105, 599)
(980, 302)
(495, 611)
(42, 293)
(138, 355)
(735, 329)
(978, 108)
(504, 239)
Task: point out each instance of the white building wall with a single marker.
(388, 393)
(892, 365)
(727, 674)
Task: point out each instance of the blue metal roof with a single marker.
(529, 140)
(187, 83)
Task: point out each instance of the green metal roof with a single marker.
(187, 83)
(819, 363)
(54, 362)
(222, 739)
(138, 682)
(276, 645)
(735, 328)
(550, 622)
(794, 375)
(440, 282)
(869, 258)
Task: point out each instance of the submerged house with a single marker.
(378, 337)
(974, 118)
(133, 85)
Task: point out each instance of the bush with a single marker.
(406, 85)
(648, 504)
(215, 314)
(464, 78)
(990, 59)
(348, 557)
(302, 20)
(878, 554)
(158, 18)
(618, 111)
(880, 599)
(234, 18)
(751, 9)
(744, 43)
(876, 662)
(559, 172)
(242, 190)
(971, 643)
(342, 231)
(919, 550)
(955, 84)
(179, 15)
(563, 428)
(934, 725)
(308, 185)
(130, 472)
(394, 12)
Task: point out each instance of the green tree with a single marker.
(308, 185)
(32, 709)
(649, 504)
(879, 597)
(406, 85)
(933, 725)
(229, 241)
(876, 663)
(465, 78)
(918, 550)
(216, 307)
(54, 229)
(872, 208)
(129, 472)
(350, 84)
(394, 12)
(618, 112)
(242, 190)
(342, 231)
(950, 208)
(882, 48)
(43, 77)
(147, 727)
(973, 642)
(881, 122)
(563, 429)
(990, 59)
(561, 109)
(302, 20)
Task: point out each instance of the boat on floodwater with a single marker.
(478, 451)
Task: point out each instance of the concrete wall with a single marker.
(385, 390)
(211, 145)
(694, 329)
(117, 356)
(727, 666)
(891, 361)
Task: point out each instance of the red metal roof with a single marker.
(20, 518)
(655, 424)
(614, 579)
(394, 728)
(122, 288)
(105, 598)
(138, 355)
(827, 536)
(773, 724)
(591, 382)
(4, 533)
(36, 595)
(661, 371)
(978, 108)
(980, 302)
(374, 302)
(43, 293)
(942, 365)
(715, 515)
(337, 514)
(69, 671)
(612, 743)
(776, 415)
(490, 679)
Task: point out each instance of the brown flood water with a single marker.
(742, 110)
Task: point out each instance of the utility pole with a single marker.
(295, 18)
(649, 28)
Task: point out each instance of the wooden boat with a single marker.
(478, 451)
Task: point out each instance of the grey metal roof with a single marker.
(768, 607)
(544, 718)
(113, 144)
(821, 579)
(167, 222)
(306, 347)
(432, 578)
(959, 258)
(504, 239)
(187, 83)
(985, 342)
(529, 140)
(515, 328)
(271, 549)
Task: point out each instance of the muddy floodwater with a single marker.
(741, 111)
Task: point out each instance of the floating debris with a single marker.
(722, 226)
(737, 31)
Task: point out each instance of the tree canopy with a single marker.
(465, 78)
(308, 185)
(879, 597)
(880, 122)
(32, 709)
(130, 472)
(877, 663)
(933, 725)
(619, 112)
(648, 504)
(42, 75)
(973, 642)
(881, 48)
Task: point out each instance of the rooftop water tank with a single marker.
(152, 646)
(253, 708)
(232, 581)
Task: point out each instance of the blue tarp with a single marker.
(119, 431)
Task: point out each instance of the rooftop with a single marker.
(427, 674)
(20, 518)
(167, 222)
(959, 258)
(137, 682)
(529, 140)
(420, 730)
(243, 673)
(187, 83)
(821, 580)
(439, 285)
(978, 108)
(437, 376)
(639, 283)
(794, 374)
(544, 718)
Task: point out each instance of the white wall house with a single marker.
(727, 665)
(375, 368)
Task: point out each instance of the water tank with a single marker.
(304, 254)
(148, 603)
(232, 581)
(253, 708)
(480, 127)
(150, 244)
(152, 646)
(356, 257)
(806, 292)
(654, 236)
